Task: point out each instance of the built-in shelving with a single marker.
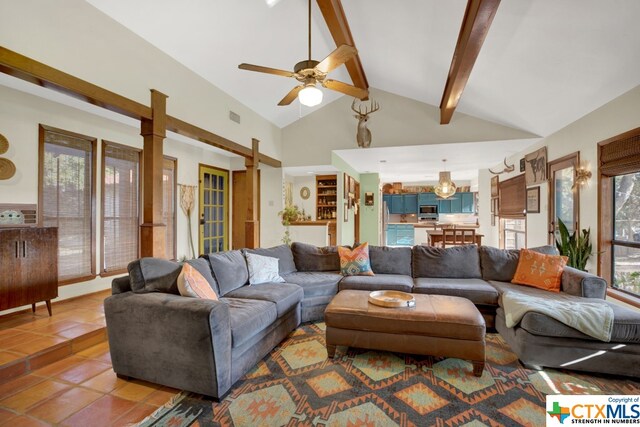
(326, 197)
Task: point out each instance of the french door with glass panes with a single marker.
(213, 209)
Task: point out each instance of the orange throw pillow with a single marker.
(540, 270)
(355, 262)
(192, 284)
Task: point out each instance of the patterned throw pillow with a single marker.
(262, 269)
(540, 270)
(192, 284)
(355, 262)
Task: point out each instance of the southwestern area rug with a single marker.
(296, 385)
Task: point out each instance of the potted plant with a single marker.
(288, 215)
(577, 247)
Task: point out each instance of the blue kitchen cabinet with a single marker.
(456, 203)
(427, 199)
(400, 235)
(392, 235)
(444, 206)
(410, 203)
(467, 202)
(397, 204)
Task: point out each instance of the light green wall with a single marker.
(345, 230)
(370, 215)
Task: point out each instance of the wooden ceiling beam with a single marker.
(336, 20)
(24, 68)
(474, 29)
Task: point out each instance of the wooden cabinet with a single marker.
(29, 266)
(410, 203)
(458, 203)
(427, 199)
(397, 204)
(467, 200)
(402, 203)
(326, 197)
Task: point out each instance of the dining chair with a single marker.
(458, 237)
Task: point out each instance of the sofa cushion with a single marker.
(476, 290)
(315, 283)
(286, 265)
(230, 270)
(388, 260)
(500, 264)
(314, 258)
(247, 317)
(355, 262)
(262, 269)
(626, 326)
(539, 270)
(454, 262)
(154, 275)
(395, 282)
(192, 284)
(284, 295)
(204, 268)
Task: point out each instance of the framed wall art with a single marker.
(494, 186)
(535, 168)
(533, 200)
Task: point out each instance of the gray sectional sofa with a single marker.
(205, 346)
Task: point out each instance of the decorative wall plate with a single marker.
(7, 168)
(4, 144)
(305, 193)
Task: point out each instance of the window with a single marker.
(514, 233)
(169, 205)
(619, 213)
(564, 197)
(626, 233)
(120, 206)
(66, 172)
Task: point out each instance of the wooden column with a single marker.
(152, 234)
(252, 225)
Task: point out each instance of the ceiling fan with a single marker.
(310, 72)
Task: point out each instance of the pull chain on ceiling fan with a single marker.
(310, 72)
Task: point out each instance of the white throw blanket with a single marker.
(591, 318)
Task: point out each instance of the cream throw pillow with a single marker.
(262, 269)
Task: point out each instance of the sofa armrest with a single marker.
(120, 285)
(583, 284)
(172, 340)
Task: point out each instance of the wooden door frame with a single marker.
(233, 195)
(356, 217)
(564, 162)
(226, 203)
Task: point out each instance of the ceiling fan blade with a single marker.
(288, 99)
(261, 69)
(336, 58)
(347, 89)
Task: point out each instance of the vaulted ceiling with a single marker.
(544, 63)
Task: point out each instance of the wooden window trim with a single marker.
(605, 221)
(94, 166)
(570, 160)
(105, 144)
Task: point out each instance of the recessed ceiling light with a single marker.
(311, 173)
(383, 161)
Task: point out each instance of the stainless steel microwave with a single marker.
(428, 209)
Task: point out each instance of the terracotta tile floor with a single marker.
(57, 370)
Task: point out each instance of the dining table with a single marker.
(434, 237)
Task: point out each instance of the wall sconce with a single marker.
(583, 175)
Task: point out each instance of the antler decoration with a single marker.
(507, 168)
(363, 134)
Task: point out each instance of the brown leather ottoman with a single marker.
(438, 325)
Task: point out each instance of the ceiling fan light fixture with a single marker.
(445, 188)
(310, 95)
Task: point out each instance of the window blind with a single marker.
(169, 205)
(513, 198)
(621, 156)
(120, 207)
(66, 199)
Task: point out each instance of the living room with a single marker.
(592, 95)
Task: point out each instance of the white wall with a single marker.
(308, 205)
(78, 39)
(583, 135)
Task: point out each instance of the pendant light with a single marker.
(445, 188)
